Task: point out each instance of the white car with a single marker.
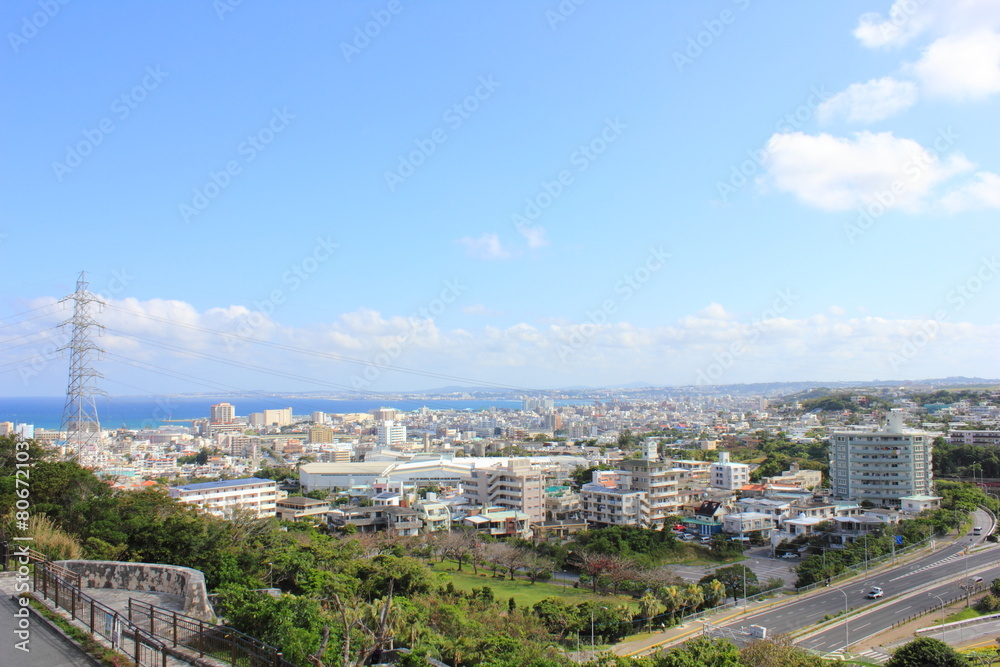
(874, 593)
(790, 554)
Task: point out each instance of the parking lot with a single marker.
(758, 559)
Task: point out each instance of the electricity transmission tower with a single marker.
(79, 421)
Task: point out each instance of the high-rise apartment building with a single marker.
(881, 466)
(385, 414)
(222, 413)
(279, 417)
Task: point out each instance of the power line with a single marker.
(29, 319)
(328, 355)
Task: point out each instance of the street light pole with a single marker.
(942, 605)
(744, 589)
(847, 623)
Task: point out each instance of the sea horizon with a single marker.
(45, 412)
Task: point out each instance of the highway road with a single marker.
(908, 590)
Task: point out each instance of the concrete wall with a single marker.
(182, 581)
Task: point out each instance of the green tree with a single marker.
(293, 624)
(700, 652)
(735, 579)
(778, 651)
(926, 652)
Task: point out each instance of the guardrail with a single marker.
(853, 570)
(975, 589)
(218, 641)
(99, 619)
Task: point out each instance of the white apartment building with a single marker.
(984, 438)
(390, 433)
(724, 474)
(881, 466)
(605, 503)
(225, 497)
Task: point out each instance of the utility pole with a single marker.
(80, 422)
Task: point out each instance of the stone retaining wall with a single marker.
(183, 581)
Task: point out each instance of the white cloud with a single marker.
(838, 174)
(534, 234)
(817, 346)
(906, 20)
(984, 192)
(869, 102)
(961, 67)
(487, 246)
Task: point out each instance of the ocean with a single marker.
(152, 411)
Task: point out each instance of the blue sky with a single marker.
(525, 194)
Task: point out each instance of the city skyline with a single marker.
(384, 197)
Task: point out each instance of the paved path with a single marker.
(47, 647)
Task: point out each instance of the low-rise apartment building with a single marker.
(225, 497)
(294, 508)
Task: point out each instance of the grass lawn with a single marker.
(968, 612)
(524, 593)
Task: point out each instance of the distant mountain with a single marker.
(633, 390)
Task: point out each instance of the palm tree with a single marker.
(695, 595)
(714, 592)
(670, 596)
(649, 607)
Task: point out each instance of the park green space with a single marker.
(524, 592)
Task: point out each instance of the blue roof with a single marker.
(224, 482)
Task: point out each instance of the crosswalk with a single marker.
(874, 655)
(871, 655)
(949, 559)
